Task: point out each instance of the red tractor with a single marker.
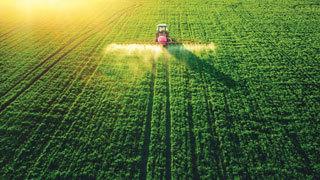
(162, 35)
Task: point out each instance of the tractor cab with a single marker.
(162, 28)
(162, 35)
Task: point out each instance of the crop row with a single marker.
(66, 77)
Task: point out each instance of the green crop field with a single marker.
(86, 93)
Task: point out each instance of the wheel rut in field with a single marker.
(194, 166)
(7, 103)
(24, 138)
(98, 44)
(76, 37)
(236, 149)
(203, 68)
(147, 130)
(6, 34)
(94, 67)
(72, 123)
(214, 144)
(168, 122)
(293, 136)
(296, 143)
(39, 65)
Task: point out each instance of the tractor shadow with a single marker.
(202, 66)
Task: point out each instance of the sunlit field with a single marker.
(86, 92)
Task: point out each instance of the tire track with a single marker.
(147, 131)
(73, 104)
(34, 80)
(23, 138)
(194, 166)
(87, 81)
(93, 51)
(214, 142)
(234, 138)
(168, 122)
(7, 33)
(39, 65)
(105, 94)
(15, 43)
(16, 25)
(135, 166)
(58, 51)
(75, 101)
(293, 136)
(23, 24)
(298, 148)
(236, 150)
(39, 54)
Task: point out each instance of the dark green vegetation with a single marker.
(248, 109)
